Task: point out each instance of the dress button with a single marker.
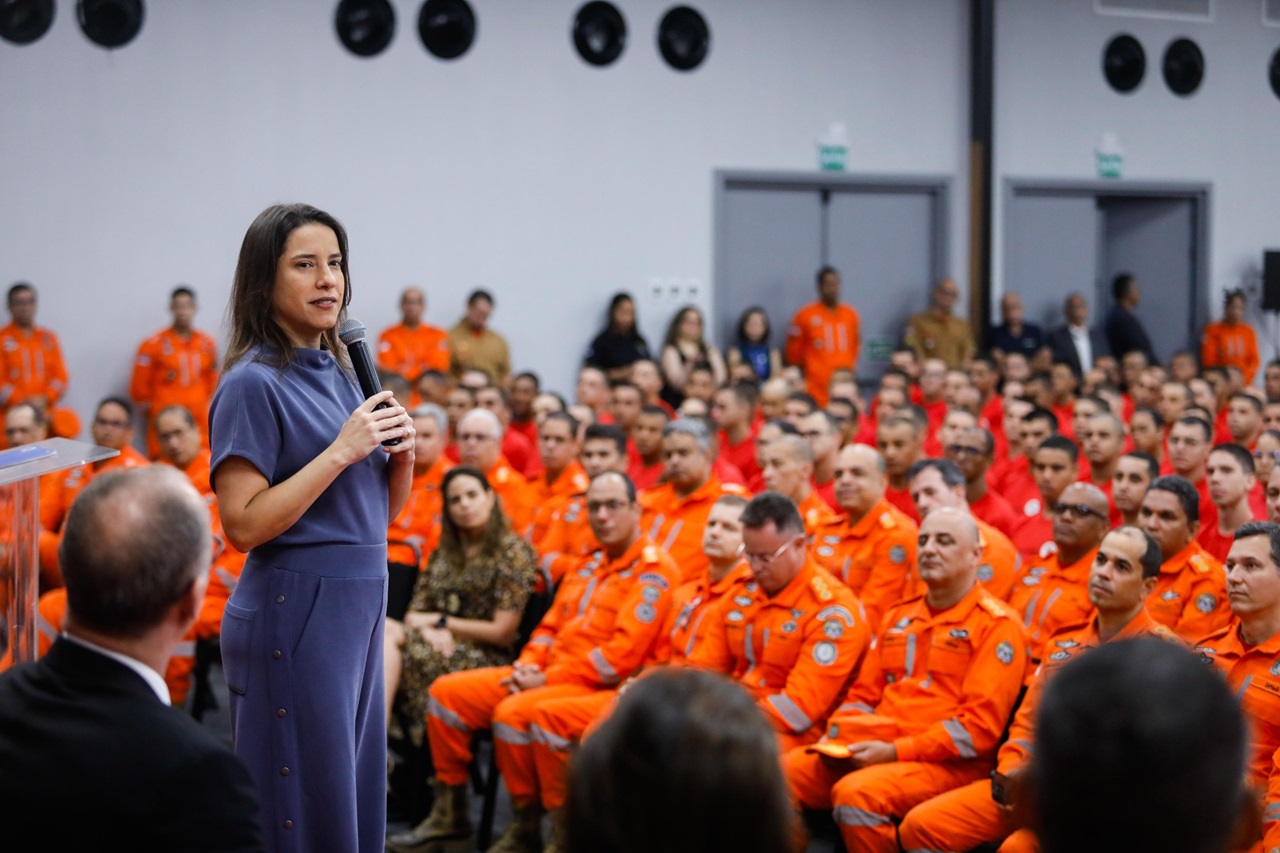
(280, 713)
(276, 654)
(279, 599)
(284, 771)
(288, 824)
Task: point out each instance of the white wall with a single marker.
(517, 167)
(1053, 104)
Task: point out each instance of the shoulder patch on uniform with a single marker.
(821, 589)
(1031, 508)
(1206, 602)
(735, 616)
(649, 554)
(985, 572)
(1200, 564)
(1064, 655)
(646, 613)
(898, 554)
(1004, 653)
(502, 474)
(655, 579)
(825, 653)
(994, 606)
(836, 611)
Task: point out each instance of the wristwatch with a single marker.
(443, 621)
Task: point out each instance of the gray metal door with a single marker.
(882, 243)
(887, 236)
(1051, 250)
(1154, 239)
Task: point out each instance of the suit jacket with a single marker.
(1126, 334)
(1064, 347)
(91, 759)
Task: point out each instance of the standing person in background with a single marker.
(307, 489)
(685, 348)
(1231, 341)
(1015, 334)
(1075, 343)
(473, 345)
(937, 332)
(177, 366)
(32, 369)
(412, 346)
(751, 346)
(823, 336)
(1125, 333)
(620, 344)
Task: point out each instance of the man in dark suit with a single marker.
(92, 756)
(1124, 330)
(1076, 344)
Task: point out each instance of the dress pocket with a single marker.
(237, 629)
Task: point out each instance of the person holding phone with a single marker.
(307, 489)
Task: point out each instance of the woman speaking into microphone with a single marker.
(306, 487)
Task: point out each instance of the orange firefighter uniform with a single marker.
(409, 352)
(967, 817)
(817, 514)
(1225, 345)
(821, 340)
(172, 370)
(675, 523)
(568, 539)
(513, 491)
(1049, 596)
(31, 365)
(415, 532)
(793, 651)
(560, 723)
(550, 497)
(1190, 597)
(872, 556)
(601, 626)
(939, 688)
(1253, 673)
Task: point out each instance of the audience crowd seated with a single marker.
(871, 580)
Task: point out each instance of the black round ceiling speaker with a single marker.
(599, 32)
(1275, 72)
(110, 23)
(1183, 66)
(24, 21)
(365, 27)
(1124, 63)
(683, 38)
(447, 27)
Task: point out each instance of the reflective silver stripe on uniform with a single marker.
(1244, 685)
(747, 651)
(509, 734)
(693, 633)
(850, 816)
(448, 717)
(1049, 605)
(911, 653)
(671, 537)
(842, 334)
(764, 642)
(549, 739)
(586, 596)
(1031, 608)
(185, 649)
(1025, 744)
(961, 738)
(228, 579)
(603, 668)
(545, 568)
(844, 570)
(47, 629)
(1272, 812)
(657, 525)
(790, 712)
(857, 706)
(541, 641)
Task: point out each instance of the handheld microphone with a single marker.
(352, 334)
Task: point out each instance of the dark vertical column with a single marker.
(981, 140)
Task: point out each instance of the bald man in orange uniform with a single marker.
(412, 346)
(930, 703)
(1121, 579)
(1051, 591)
(676, 510)
(787, 468)
(823, 336)
(480, 446)
(872, 547)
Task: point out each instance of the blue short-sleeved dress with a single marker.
(302, 632)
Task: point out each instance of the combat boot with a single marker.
(449, 822)
(555, 832)
(523, 834)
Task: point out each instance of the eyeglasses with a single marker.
(961, 450)
(610, 507)
(1263, 454)
(763, 560)
(1080, 510)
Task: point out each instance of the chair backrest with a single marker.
(534, 609)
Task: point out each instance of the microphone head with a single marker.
(351, 331)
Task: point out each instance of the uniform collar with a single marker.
(1079, 569)
(1174, 564)
(738, 575)
(864, 524)
(627, 558)
(790, 594)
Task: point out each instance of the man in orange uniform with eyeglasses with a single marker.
(930, 703)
